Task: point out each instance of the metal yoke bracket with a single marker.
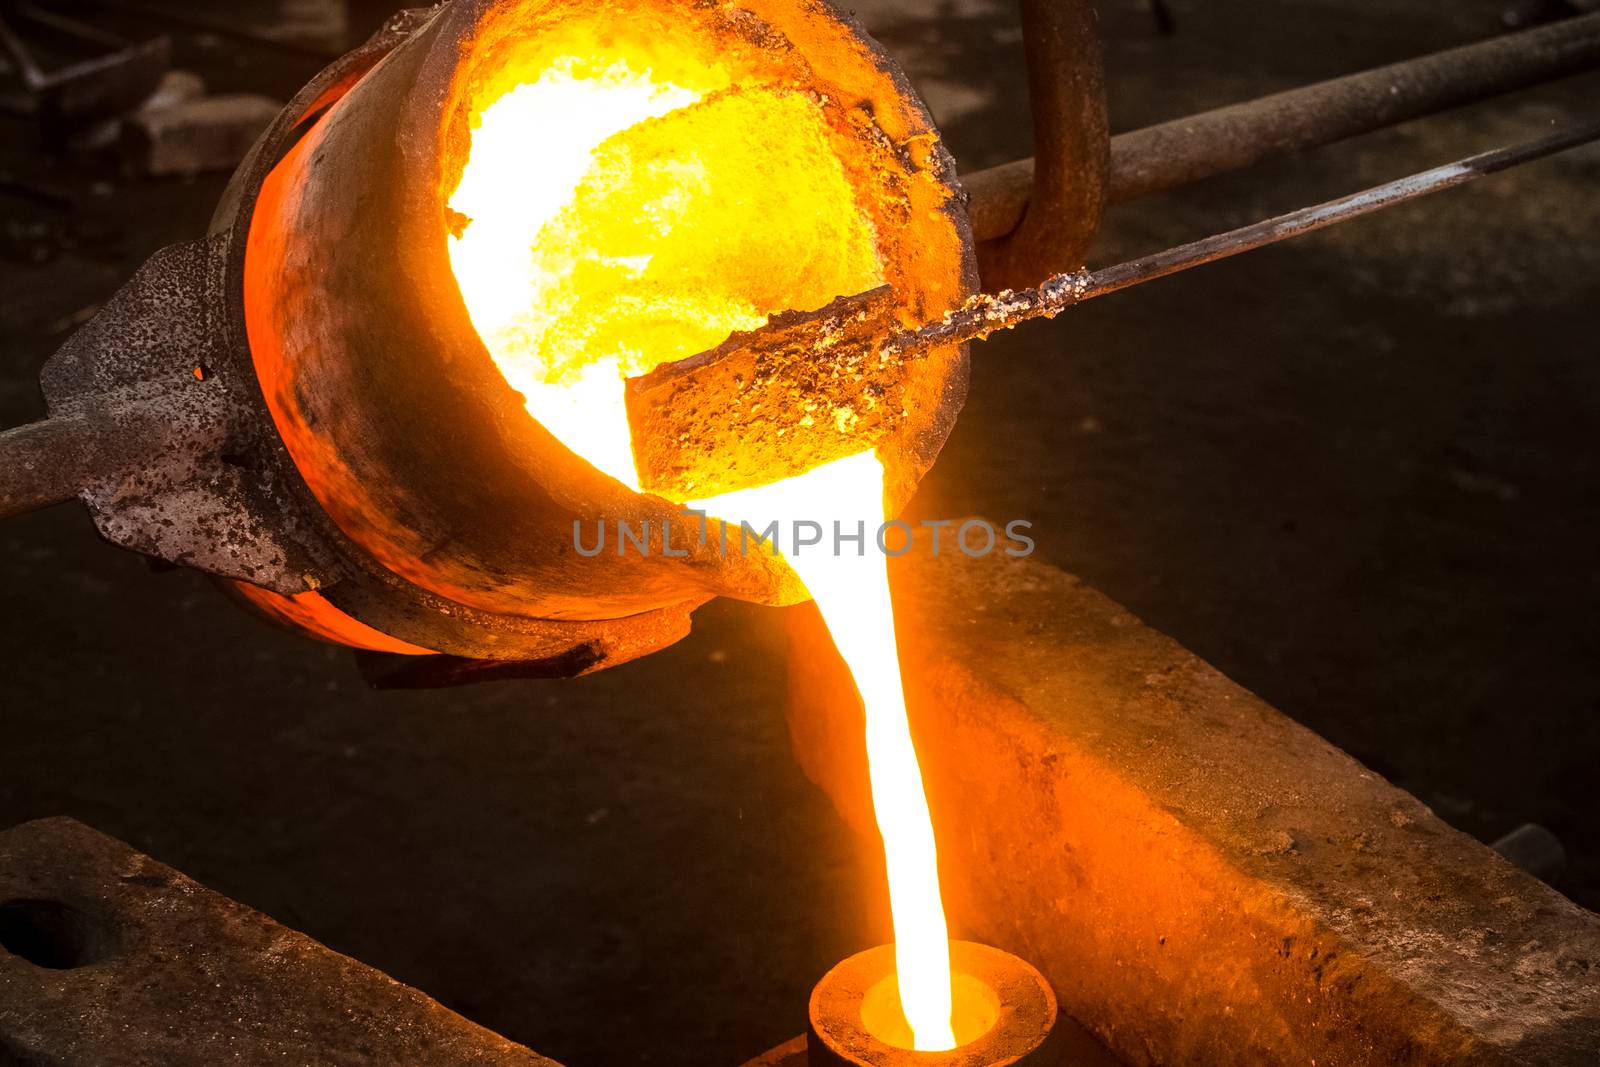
(181, 467)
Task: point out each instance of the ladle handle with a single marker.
(53, 460)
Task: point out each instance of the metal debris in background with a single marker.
(188, 19)
(125, 95)
(702, 424)
(112, 76)
(1534, 849)
(194, 135)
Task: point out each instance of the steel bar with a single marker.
(45, 462)
(53, 460)
(987, 312)
(1071, 144)
(1241, 135)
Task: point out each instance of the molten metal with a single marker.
(413, 289)
(628, 211)
(1005, 1014)
(632, 206)
(852, 593)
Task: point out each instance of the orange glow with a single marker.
(852, 593)
(617, 221)
(311, 612)
(612, 218)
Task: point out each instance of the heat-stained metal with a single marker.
(844, 380)
(52, 460)
(175, 462)
(1242, 135)
(403, 428)
(1071, 145)
(806, 386)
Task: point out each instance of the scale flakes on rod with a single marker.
(841, 366)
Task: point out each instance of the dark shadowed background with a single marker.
(1357, 472)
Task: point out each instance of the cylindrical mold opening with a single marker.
(1004, 1013)
(400, 420)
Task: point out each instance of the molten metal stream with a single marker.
(610, 218)
(852, 592)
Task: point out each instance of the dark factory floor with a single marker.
(1357, 472)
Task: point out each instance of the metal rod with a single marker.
(1071, 146)
(43, 463)
(987, 312)
(1232, 138)
(53, 460)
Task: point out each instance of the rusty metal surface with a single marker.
(706, 424)
(112, 959)
(50, 461)
(202, 490)
(408, 446)
(765, 404)
(1239, 136)
(1071, 146)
